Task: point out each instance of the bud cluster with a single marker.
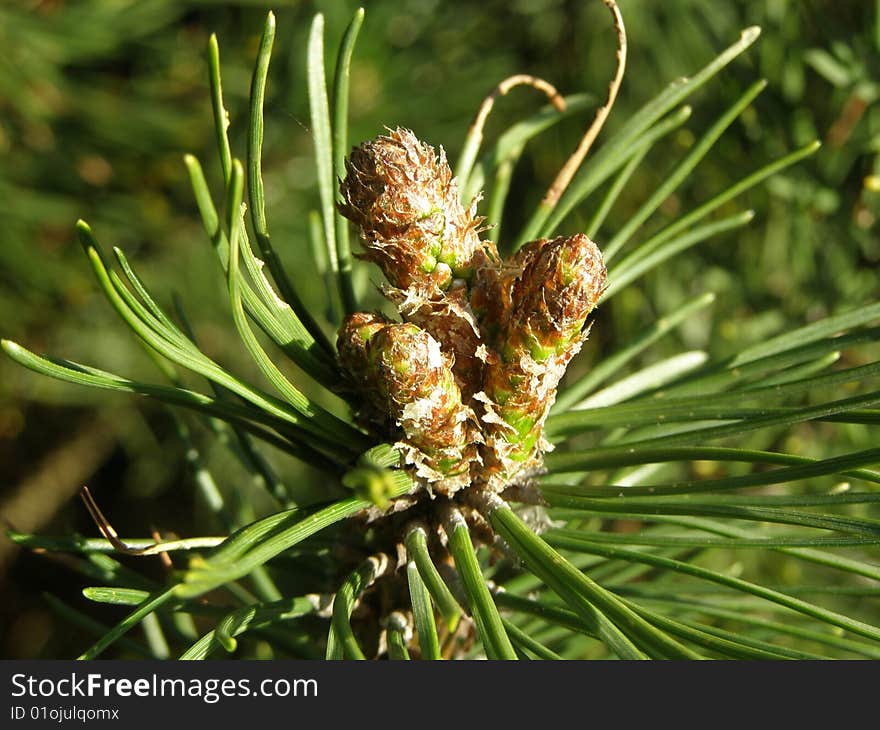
(471, 373)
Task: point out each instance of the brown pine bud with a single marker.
(540, 320)
(403, 197)
(354, 335)
(416, 379)
(404, 373)
(559, 286)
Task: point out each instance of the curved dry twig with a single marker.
(474, 136)
(505, 86)
(563, 178)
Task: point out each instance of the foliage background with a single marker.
(99, 100)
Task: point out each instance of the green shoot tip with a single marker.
(10, 347)
(226, 641)
(372, 484)
(86, 237)
(19, 538)
(750, 34)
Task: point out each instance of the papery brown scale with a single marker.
(493, 291)
(409, 362)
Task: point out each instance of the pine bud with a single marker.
(415, 378)
(540, 319)
(406, 375)
(560, 285)
(403, 197)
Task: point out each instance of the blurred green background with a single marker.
(100, 99)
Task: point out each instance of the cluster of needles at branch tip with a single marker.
(460, 534)
(470, 375)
